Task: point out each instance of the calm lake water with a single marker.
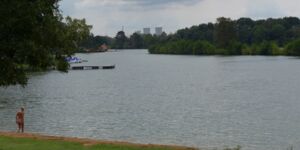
(201, 101)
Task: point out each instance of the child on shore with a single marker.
(20, 120)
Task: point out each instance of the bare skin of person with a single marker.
(20, 120)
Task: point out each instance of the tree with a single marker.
(121, 41)
(290, 22)
(293, 48)
(277, 33)
(202, 48)
(244, 30)
(266, 48)
(225, 32)
(34, 37)
(93, 42)
(259, 34)
(136, 41)
(235, 37)
(149, 40)
(75, 32)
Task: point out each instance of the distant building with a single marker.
(147, 31)
(158, 31)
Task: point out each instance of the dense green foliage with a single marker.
(34, 36)
(293, 48)
(226, 37)
(121, 41)
(93, 42)
(7, 143)
(136, 40)
(184, 47)
(245, 30)
(235, 37)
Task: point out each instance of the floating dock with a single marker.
(91, 67)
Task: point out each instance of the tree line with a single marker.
(121, 41)
(243, 36)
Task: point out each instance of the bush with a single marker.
(293, 48)
(234, 48)
(186, 47)
(265, 48)
(203, 48)
(62, 65)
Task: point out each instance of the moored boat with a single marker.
(73, 60)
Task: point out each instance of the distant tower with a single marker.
(158, 31)
(147, 31)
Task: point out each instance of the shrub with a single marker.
(293, 48)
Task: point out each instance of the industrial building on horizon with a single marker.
(147, 30)
(158, 30)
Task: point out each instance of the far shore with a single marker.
(89, 142)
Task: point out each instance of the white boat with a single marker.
(73, 60)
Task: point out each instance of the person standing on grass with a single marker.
(20, 120)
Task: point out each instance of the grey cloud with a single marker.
(264, 9)
(163, 2)
(108, 16)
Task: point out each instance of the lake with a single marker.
(201, 101)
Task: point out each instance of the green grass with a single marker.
(9, 143)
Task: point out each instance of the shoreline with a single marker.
(89, 142)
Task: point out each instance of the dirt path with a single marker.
(87, 142)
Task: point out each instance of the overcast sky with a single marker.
(108, 16)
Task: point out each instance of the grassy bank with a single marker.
(13, 141)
